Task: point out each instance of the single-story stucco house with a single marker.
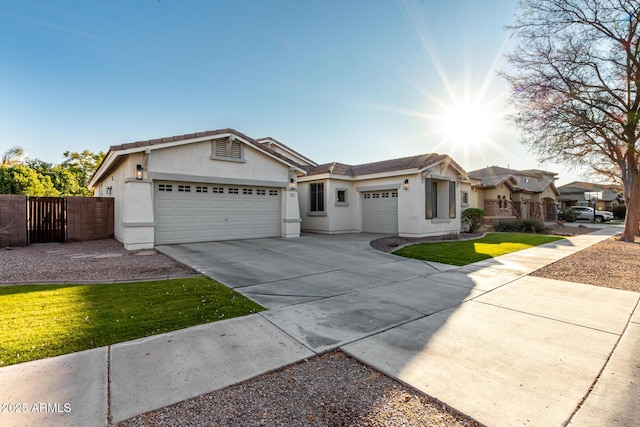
(223, 185)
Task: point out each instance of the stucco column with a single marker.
(137, 214)
(291, 219)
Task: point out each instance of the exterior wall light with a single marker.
(405, 184)
(109, 188)
(292, 184)
(139, 170)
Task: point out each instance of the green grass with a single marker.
(38, 321)
(469, 251)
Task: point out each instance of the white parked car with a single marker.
(585, 212)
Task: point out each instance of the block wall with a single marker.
(89, 218)
(13, 220)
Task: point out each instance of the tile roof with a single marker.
(267, 139)
(211, 133)
(494, 181)
(497, 171)
(414, 162)
(492, 176)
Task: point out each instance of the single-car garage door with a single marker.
(200, 212)
(380, 212)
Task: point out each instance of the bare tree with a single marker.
(13, 156)
(575, 78)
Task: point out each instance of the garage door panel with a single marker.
(380, 212)
(210, 212)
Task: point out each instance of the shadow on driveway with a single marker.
(503, 348)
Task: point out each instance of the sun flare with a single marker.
(465, 124)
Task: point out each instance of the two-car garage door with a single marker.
(200, 212)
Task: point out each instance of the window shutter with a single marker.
(452, 199)
(428, 198)
(221, 148)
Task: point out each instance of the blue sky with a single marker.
(353, 81)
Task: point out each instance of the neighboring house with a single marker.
(224, 185)
(573, 194)
(506, 193)
(412, 196)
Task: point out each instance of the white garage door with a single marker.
(380, 212)
(199, 212)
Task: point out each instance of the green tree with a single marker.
(83, 164)
(64, 179)
(21, 179)
(35, 177)
(575, 76)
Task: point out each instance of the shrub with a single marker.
(472, 218)
(619, 212)
(569, 214)
(533, 226)
(508, 225)
(519, 226)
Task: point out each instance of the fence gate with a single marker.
(47, 219)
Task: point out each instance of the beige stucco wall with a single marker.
(195, 159)
(118, 181)
(337, 218)
(411, 217)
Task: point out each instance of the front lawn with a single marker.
(38, 321)
(465, 252)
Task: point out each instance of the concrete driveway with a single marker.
(500, 346)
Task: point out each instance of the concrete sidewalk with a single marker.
(500, 346)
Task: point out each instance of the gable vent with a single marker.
(221, 148)
(235, 151)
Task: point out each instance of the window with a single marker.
(165, 187)
(341, 197)
(247, 191)
(217, 190)
(394, 194)
(201, 189)
(317, 197)
(465, 198)
(367, 196)
(227, 149)
(184, 188)
(261, 192)
(273, 192)
(233, 191)
(385, 195)
(440, 198)
(376, 195)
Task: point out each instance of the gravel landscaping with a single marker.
(612, 264)
(328, 390)
(97, 260)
